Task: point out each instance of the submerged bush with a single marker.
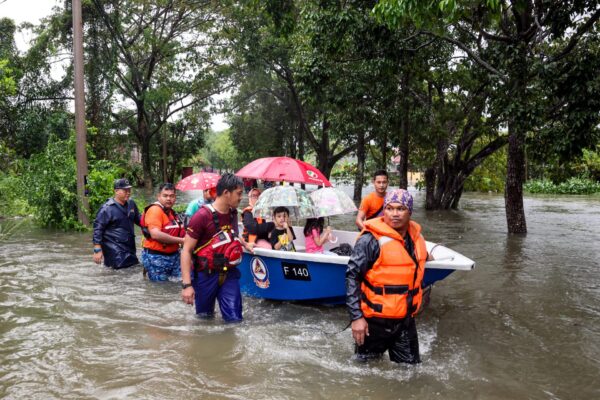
(50, 183)
(13, 201)
(571, 186)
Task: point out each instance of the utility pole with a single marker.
(83, 207)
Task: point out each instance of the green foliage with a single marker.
(490, 175)
(100, 183)
(8, 86)
(178, 208)
(344, 173)
(590, 164)
(13, 201)
(220, 151)
(51, 185)
(571, 186)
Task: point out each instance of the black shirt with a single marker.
(274, 239)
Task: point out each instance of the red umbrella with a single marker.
(199, 181)
(283, 169)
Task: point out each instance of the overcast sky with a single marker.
(25, 11)
(33, 10)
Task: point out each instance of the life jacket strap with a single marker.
(375, 307)
(391, 289)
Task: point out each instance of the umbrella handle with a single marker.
(333, 241)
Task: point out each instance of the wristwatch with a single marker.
(185, 285)
(97, 249)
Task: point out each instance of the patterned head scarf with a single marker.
(399, 196)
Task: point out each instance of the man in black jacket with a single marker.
(383, 282)
(114, 236)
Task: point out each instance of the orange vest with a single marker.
(245, 234)
(392, 287)
(171, 226)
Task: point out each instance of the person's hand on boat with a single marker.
(249, 246)
(360, 329)
(187, 295)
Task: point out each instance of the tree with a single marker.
(35, 106)
(165, 63)
(526, 36)
(220, 152)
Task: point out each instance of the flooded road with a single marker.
(524, 324)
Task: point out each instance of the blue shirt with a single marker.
(195, 205)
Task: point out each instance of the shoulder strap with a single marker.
(156, 203)
(375, 214)
(214, 215)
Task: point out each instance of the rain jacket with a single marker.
(365, 254)
(113, 231)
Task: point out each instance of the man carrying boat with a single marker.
(114, 237)
(383, 283)
(163, 235)
(212, 249)
(371, 205)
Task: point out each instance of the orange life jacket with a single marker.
(223, 251)
(392, 287)
(173, 228)
(245, 234)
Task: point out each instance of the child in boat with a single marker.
(282, 236)
(315, 235)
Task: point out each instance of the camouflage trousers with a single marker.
(161, 267)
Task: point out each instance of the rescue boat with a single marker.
(320, 278)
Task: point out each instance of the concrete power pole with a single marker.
(83, 207)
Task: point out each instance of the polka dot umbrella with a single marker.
(198, 181)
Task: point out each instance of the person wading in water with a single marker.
(383, 283)
(371, 205)
(212, 249)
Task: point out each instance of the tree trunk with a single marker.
(300, 145)
(457, 197)
(429, 189)
(360, 166)
(513, 196)
(405, 133)
(165, 162)
(144, 138)
(323, 153)
(384, 145)
(517, 129)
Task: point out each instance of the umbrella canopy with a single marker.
(283, 169)
(199, 181)
(332, 201)
(295, 199)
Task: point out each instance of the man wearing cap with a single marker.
(383, 283)
(114, 237)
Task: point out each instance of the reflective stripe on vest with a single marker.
(391, 288)
(174, 228)
(250, 238)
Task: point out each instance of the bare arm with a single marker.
(319, 240)
(360, 218)
(247, 245)
(189, 243)
(163, 237)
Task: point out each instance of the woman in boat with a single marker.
(256, 230)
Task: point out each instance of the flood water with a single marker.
(524, 324)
